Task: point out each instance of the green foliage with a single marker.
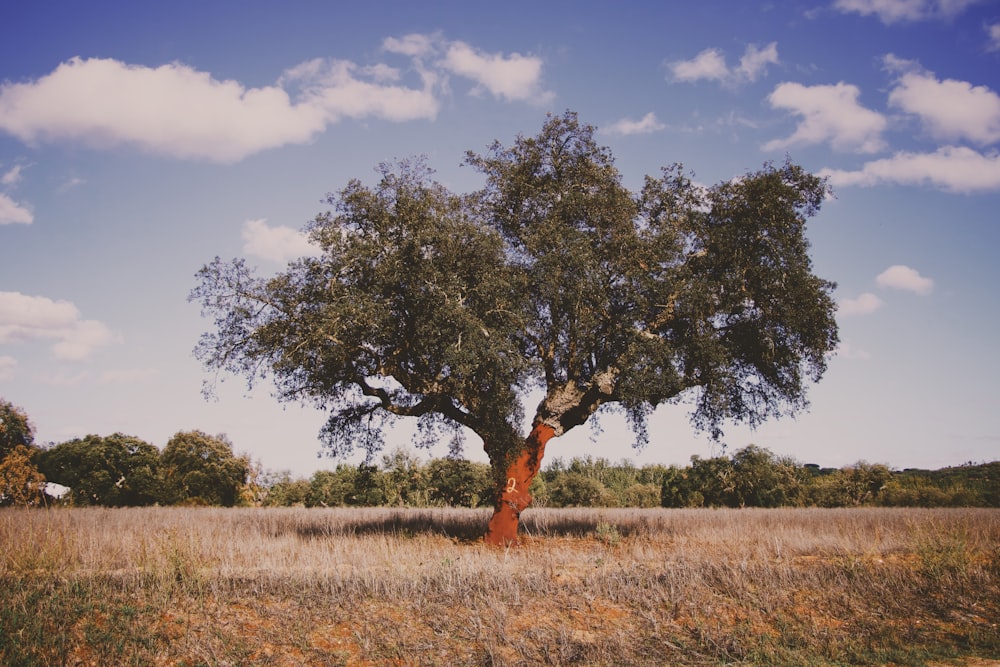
(332, 489)
(21, 484)
(447, 307)
(114, 471)
(199, 469)
(574, 489)
(459, 483)
(16, 430)
(750, 477)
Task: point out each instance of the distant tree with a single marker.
(761, 479)
(858, 484)
(16, 430)
(447, 308)
(574, 489)
(201, 469)
(21, 484)
(282, 490)
(332, 488)
(369, 487)
(642, 495)
(459, 483)
(405, 478)
(114, 471)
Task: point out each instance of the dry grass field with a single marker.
(176, 586)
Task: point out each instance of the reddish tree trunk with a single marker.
(514, 497)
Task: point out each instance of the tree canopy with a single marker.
(116, 470)
(201, 469)
(449, 308)
(16, 430)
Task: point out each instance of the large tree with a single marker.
(115, 471)
(451, 308)
(199, 469)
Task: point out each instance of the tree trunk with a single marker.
(513, 496)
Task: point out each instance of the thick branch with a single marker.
(572, 404)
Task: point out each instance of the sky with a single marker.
(140, 140)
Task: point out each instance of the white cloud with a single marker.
(993, 32)
(755, 61)
(627, 126)
(334, 89)
(12, 176)
(512, 77)
(949, 109)
(170, 110)
(11, 212)
(710, 64)
(27, 318)
(863, 305)
(830, 113)
(276, 244)
(7, 366)
(952, 168)
(905, 278)
(414, 45)
(178, 111)
(892, 11)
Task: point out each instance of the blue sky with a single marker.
(140, 140)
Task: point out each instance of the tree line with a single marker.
(195, 468)
(118, 470)
(750, 477)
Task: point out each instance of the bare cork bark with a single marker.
(514, 497)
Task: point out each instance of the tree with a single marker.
(15, 428)
(459, 483)
(202, 470)
(21, 484)
(405, 478)
(448, 308)
(115, 471)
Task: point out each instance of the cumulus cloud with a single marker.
(178, 111)
(171, 110)
(829, 114)
(11, 212)
(627, 126)
(710, 64)
(276, 244)
(956, 169)
(510, 77)
(893, 11)
(339, 89)
(904, 278)
(26, 318)
(949, 109)
(864, 304)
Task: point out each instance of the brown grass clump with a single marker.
(173, 586)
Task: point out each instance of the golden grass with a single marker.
(186, 586)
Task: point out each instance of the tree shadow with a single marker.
(460, 524)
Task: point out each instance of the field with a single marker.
(205, 586)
